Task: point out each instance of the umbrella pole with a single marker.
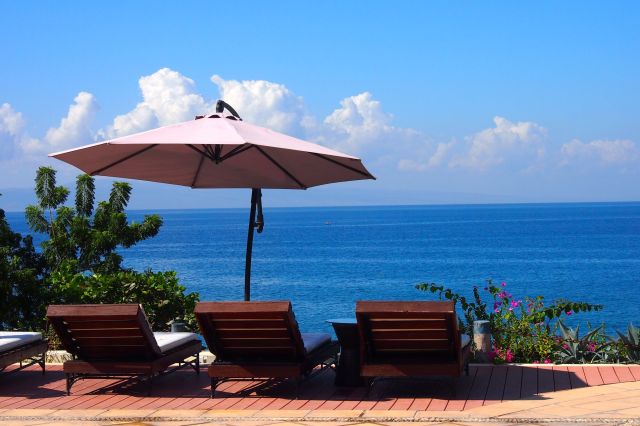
(255, 193)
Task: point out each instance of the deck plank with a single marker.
(485, 385)
(608, 375)
(495, 389)
(545, 379)
(623, 373)
(561, 378)
(513, 383)
(592, 375)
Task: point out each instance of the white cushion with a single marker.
(13, 339)
(464, 340)
(167, 340)
(313, 341)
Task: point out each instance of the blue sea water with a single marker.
(324, 259)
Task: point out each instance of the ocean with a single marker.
(325, 259)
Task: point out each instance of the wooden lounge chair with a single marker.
(410, 339)
(117, 341)
(24, 347)
(260, 340)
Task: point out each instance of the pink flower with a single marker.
(502, 294)
(591, 347)
(509, 356)
(568, 312)
(497, 310)
(511, 309)
(503, 284)
(496, 304)
(515, 304)
(536, 362)
(547, 361)
(565, 346)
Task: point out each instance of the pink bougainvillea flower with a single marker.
(591, 347)
(496, 304)
(502, 294)
(515, 304)
(568, 312)
(497, 310)
(509, 356)
(511, 309)
(547, 361)
(503, 284)
(565, 346)
(536, 362)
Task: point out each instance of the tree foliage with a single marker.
(79, 261)
(21, 280)
(76, 238)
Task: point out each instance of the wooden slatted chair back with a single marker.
(407, 330)
(104, 332)
(250, 331)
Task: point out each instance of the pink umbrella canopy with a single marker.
(219, 151)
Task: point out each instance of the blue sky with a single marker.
(446, 102)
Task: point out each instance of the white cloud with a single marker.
(431, 159)
(13, 135)
(521, 144)
(264, 103)
(168, 97)
(360, 124)
(11, 121)
(74, 129)
(604, 152)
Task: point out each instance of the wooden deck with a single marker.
(184, 390)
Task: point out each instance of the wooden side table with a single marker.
(348, 368)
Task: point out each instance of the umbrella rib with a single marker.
(128, 157)
(278, 165)
(353, 169)
(203, 153)
(195, 177)
(235, 151)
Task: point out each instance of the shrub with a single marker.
(162, 297)
(593, 347)
(630, 344)
(521, 328)
(21, 281)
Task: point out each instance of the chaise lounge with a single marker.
(410, 339)
(24, 347)
(117, 341)
(260, 340)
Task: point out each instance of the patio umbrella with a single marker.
(219, 151)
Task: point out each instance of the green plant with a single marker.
(21, 280)
(81, 238)
(593, 347)
(521, 328)
(630, 344)
(160, 293)
(79, 261)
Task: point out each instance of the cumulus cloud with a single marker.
(428, 159)
(168, 97)
(264, 103)
(604, 152)
(75, 128)
(13, 135)
(521, 143)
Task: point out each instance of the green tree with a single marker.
(80, 238)
(22, 291)
(82, 262)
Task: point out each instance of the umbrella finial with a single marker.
(221, 105)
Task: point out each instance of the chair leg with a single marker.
(149, 384)
(214, 383)
(69, 383)
(198, 364)
(370, 381)
(43, 362)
